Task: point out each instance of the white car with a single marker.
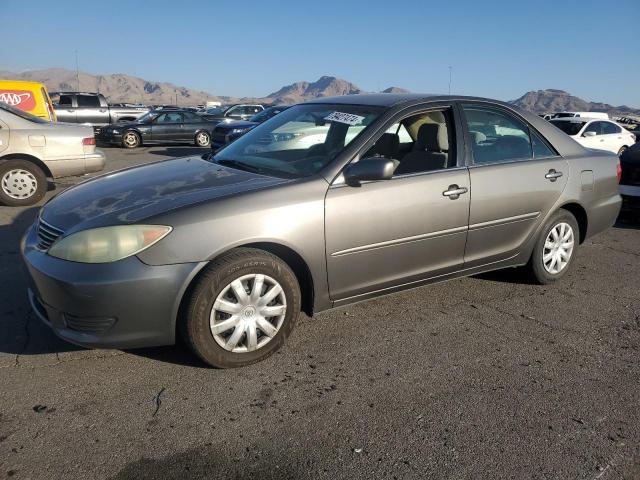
(596, 133)
(599, 115)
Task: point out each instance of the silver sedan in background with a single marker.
(394, 191)
(33, 149)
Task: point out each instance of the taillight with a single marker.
(619, 171)
(89, 141)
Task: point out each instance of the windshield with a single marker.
(299, 141)
(570, 128)
(148, 117)
(22, 114)
(266, 114)
(215, 110)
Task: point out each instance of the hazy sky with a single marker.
(498, 49)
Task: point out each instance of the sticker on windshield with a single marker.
(348, 118)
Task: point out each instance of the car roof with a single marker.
(394, 99)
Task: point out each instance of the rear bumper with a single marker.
(124, 304)
(603, 214)
(94, 162)
(630, 200)
(83, 163)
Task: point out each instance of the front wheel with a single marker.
(241, 309)
(555, 249)
(22, 183)
(202, 139)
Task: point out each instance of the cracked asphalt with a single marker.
(484, 377)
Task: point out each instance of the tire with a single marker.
(22, 183)
(213, 298)
(540, 266)
(202, 139)
(131, 139)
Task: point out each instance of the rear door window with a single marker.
(609, 128)
(496, 136)
(88, 101)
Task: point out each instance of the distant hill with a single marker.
(115, 87)
(120, 88)
(550, 100)
(323, 87)
(395, 90)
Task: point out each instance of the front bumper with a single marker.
(109, 138)
(124, 304)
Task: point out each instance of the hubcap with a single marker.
(248, 313)
(558, 248)
(203, 139)
(130, 139)
(19, 184)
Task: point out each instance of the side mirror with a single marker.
(589, 134)
(369, 169)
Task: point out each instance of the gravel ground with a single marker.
(483, 377)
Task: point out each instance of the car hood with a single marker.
(135, 194)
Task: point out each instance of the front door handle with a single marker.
(553, 175)
(454, 191)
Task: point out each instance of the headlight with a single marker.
(238, 130)
(115, 130)
(108, 244)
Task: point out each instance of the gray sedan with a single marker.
(377, 193)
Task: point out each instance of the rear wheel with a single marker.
(555, 248)
(202, 139)
(21, 183)
(131, 139)
(241, 309)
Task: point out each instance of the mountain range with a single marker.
(119, 88)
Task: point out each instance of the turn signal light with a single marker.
(619, 171)
(89, 141)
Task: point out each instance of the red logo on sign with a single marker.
(23, 99)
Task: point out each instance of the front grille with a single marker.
(88, 324)
(47, 234)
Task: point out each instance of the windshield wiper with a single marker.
(239, 165)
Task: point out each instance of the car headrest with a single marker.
(388, 145)
(432, 137)
(477, 137)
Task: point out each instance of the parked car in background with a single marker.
(32, 97)
(601, 115)
(225, 133)
(227, 248)
(598, 134)
(230, 113)
(160, 126)
(33, 149)
(92, 109)
(630, 181)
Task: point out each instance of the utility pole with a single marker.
(77, 71)
(450, 69)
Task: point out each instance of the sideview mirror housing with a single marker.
(369, 169)
(589, 134)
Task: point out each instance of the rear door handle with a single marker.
(454, 192)
(553, 175)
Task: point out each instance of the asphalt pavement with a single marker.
(477, 378)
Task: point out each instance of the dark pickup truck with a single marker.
(92, 109)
